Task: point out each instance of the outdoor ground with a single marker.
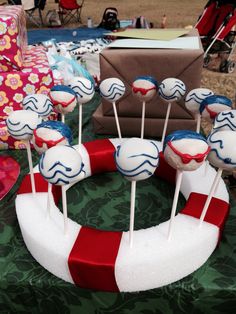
(180, 13)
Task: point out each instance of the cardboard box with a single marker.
(127, 64)
(13, 37)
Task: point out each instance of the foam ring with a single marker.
(152, 262)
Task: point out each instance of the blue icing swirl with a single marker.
(215, 99)
(63, 88)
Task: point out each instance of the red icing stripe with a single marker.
(217, 212)
(41, 185)
(101, 154)
(92, 259)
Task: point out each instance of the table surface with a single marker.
(26, 287)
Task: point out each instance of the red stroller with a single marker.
(215, 27)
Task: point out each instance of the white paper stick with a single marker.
(211, 194)
(80, 125)
(165, 124)
(64, 207)
(117, 120)
(143, 119)
(62, 118)
(132, 211)
(198, 123)
(175, 202)
(49, 199)
(29, 155)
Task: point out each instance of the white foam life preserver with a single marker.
(153, 261)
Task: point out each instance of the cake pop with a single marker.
(222, 156)
(84, 90)
(49, 134)
(193, 101)
(170, 89)
(112, 89)
(213, 105)
(39, 103)
(145, 89)
(63, 99)
(225, 120)
(62, 165)
(20, 125)
(136, 159)
(184, 151)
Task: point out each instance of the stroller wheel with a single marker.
(227, 66)
(206, 61)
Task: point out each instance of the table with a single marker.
(25, 287)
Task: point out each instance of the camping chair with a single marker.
(31, 7)
(69, 10)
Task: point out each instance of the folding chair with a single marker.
(31, 7)
(69, 10)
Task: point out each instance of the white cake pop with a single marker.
(172, 89)
(49, 134)
(213, 105)
(83, 88)
(137, 159)
(39, 103)
(195, 97)
(62, 165)
(223, 149)
(63, 98)
(145, 88)
(185, 150)
(21, 124)
(112, 89)
(222, 156)
(225, 121)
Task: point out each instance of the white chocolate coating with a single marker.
(61, 165)
(112, 89)
(188, 146)
(39, 103)
(58, 97)
(137, 159)
(172, 89)
(144, 89)
(83, 88)
(21, 124)
(225, 120)
(195, 97)
(223, 150)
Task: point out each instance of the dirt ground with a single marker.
(178, 13)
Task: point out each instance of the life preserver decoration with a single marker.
(103, 260)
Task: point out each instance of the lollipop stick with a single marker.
(132, 210)
(198, 123)
(211, 194)
(29, 155)
(48, 199)
(62, 118)
(175, 201)
(64, 207)
(80, 125)
(117, 120)
(166, 123)
(143, 118)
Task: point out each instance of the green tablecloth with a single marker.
(25, 287)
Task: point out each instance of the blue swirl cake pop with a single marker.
(39, 103)
(137, 159)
